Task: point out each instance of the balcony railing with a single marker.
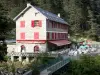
(30, 54)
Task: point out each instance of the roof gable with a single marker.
(47, 14)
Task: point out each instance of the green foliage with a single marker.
(3, 51)
(86, 65)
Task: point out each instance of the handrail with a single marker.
(29, 54)
(56, 66)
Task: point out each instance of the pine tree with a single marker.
(92, 33)
(74, 16)
(6, 24)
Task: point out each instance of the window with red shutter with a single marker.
(35, 23)
(22, 24)
(36, 35)
(22, 36)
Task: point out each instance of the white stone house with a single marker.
(36, 29)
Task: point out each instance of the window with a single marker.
(22, 24)
(23, 48)
(53, 36)
(48, 24)
(52, 24)
(36, 48)
(57, 25)
(22, 35)
(58, 35)
(48, 35)
(65, 36)
(35, 23)
(36, 35)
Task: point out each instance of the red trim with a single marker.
(60, 42)
(31, 41)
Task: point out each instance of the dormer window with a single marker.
(36, 23)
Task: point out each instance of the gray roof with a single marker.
(48, 15)
(51, 16)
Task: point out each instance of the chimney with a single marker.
(28, 4)
(58, 14)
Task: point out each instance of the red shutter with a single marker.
(22, 35)
(32, 23)
(36, 35)
(40, 23)
(22, 24)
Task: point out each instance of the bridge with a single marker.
(60, 60)
(54, 67)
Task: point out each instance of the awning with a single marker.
(60, 42)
